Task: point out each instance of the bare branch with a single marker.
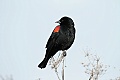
(55, 63)
(93, 66)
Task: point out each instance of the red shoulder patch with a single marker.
(57, 28)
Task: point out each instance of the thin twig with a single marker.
(57, 74)
(63, 70)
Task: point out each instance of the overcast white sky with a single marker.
(25, 26)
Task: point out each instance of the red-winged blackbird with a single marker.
(61, 38)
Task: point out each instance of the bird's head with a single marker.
(65, 21)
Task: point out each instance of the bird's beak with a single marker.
(58, 22)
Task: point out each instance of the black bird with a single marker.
(61, 38)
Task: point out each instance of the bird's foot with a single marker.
(64, 53)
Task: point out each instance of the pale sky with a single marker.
(25, 26)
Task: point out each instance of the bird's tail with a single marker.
(49, 53)
(43, 63)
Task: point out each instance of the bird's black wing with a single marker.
(52, 40)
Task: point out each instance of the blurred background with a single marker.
(25, 26)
